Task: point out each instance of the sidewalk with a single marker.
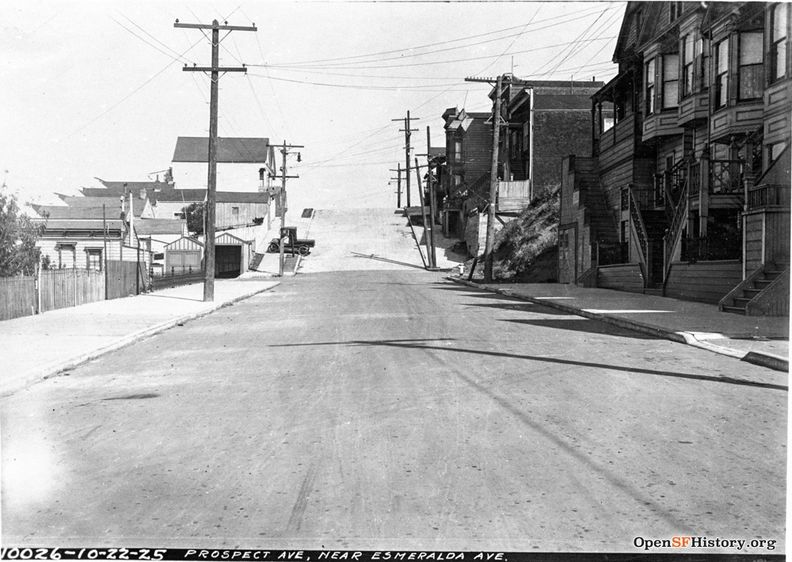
(761, 340)
(36, 347)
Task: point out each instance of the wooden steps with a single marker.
(752, 288)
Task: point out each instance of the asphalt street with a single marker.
(387, 408)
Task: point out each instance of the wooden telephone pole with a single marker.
(496, 125)
(211, 184)
(283, 203)
(398, 184)
(407, 133)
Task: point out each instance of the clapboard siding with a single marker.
(704, 281)
(622, 277)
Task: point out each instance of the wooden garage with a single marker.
(183, 256)
(232, 255)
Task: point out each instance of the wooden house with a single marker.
(233, 209)
(77, 237)
(468, 162)
(243, 164)
(688, 166)
(546, 120)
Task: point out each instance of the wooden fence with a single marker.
(125, 278)
(62, 288)
(17, 296)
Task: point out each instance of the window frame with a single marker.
(672, 82)
(688, 67)
(758, 65)
(650, 86)
(96, 253)
(721, 78)
(776, 42)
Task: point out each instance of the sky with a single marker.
(95, 88)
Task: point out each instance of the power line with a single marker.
(169, 48)
(136, 90)
(356, 87)
(352, 57)
(428, 63)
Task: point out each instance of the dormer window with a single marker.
(674, 11)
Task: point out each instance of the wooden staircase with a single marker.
(766, 291)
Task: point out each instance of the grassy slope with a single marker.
(526, 249)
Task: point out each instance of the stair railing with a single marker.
(639, 228)
(673, 236)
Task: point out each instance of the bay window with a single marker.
(778, 41)
(750, 70)
(670, 81)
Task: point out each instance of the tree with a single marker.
(194, 214)
(18, 234)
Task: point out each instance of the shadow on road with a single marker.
(386, 260)
(581, 324)
(411, 344)
(522, 306)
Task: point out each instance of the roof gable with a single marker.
(229, 150)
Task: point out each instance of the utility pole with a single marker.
(211, 184)
(398, 184)
(432, 196)
(282, 199)
(427, 224)
(407, 133)
(496, 125)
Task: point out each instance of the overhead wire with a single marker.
(416, 47)
(136, 90)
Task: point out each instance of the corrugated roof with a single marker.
(159, 226)
(229, 150)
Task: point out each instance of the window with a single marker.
(750, 75)
(93, 259)
(457, 180)
(778, 42)
(670, 81)
(515, 142)
(66, 256)
(650, 87)
(457, 151)
(701, 51)
(722, 73)
(235, 212)
(675, 10)
(688, 58)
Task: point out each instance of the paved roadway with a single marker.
(387, 408)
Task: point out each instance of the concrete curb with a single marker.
(757, 358)
(56, 367)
